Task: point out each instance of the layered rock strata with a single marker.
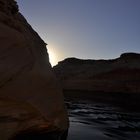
(120, 75)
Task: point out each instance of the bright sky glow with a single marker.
(88, 29)
(52, 56)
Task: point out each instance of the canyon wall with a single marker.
(120, 75)
(30, 97)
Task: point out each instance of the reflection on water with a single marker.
(96, 121)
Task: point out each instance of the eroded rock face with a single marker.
(30, 97)
(117, 75)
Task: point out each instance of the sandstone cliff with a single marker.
(30, 97)
(120, 75)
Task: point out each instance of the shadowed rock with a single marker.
(30, 97)
(117, 75)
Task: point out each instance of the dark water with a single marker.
(97, 121)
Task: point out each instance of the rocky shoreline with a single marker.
(129, 101)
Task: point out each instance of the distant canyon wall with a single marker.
(117, 75)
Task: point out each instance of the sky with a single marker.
(85, 29)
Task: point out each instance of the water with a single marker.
(98, 121)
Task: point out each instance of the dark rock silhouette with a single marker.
(117, 75)
(30, 98)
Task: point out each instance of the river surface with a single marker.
(98, 121)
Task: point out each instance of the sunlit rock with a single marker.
(30, 97)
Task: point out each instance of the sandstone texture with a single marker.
(120, 75)
(30, 97)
